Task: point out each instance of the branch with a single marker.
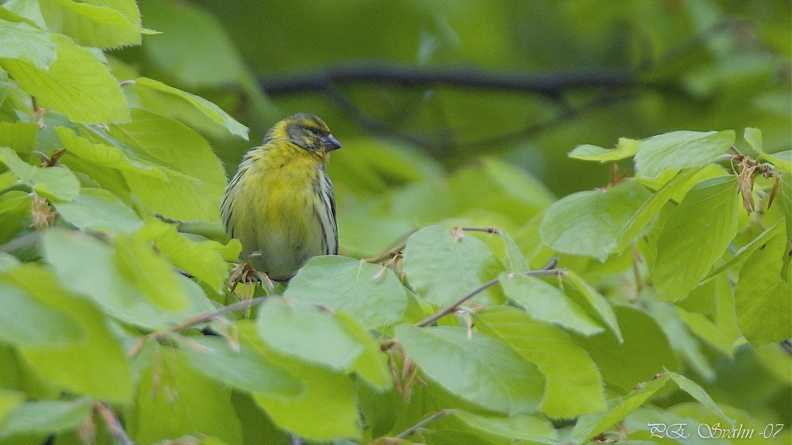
(548, 83)
(114, 427)
(207, 316)
(547, 270)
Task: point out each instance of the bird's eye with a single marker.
(314, 131)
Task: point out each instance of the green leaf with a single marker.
(372, 363)
(648, 211)
(174, 399)
(57, 183)
(590, 425)
(624, 149)
(746, 250)
(204, 260)
(304, 331)
(478, 369)
(89, 267)
(99, 26)
(22, 41)
(97, 366)
(463, 427)
(108, 156)
(243, 369)
(141, 267)
(543, 301)
(595, 300)
(328, 399)
(782, 159)
(19, 136)
(574, 384)
(9, 400)
(696, 234)
(763, 306)
(371, 293)
(76, 84)
(443, 267)
(27, 322)
(211, 110)
(46, 417)
(698, 393)
(192, 194)
(627, 363)
(678, 150)
(589, 223)
(99, 210)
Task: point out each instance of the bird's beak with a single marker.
(330, 143)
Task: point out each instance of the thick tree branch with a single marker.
(549, 83)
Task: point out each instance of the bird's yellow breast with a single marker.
(274, 209)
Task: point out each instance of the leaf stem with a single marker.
(414, 429)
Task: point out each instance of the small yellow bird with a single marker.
(281, 203)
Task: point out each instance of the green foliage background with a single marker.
(667, 305)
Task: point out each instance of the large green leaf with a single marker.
(696, 234)
(27, 322)
(204, 259)
(97, 366)
(307, 332)
(590, 425)
(245, 368)
(109, 156)
(192, 194)
(478, 369)
(543, 301)
(443, 267)
(18, 136)
(372, 363)
(589, 223)
(209, 109)
(595, 302)
(91, 268)
(648, 211)
(625, 364)
(368, 291)
(328, 399)
(574, 384)
(174, 399)
(46, 417)
(99, 210)
(681, 149)
(76, 84)
(22, 41)
(94, 23)
(56, 183)
(460, 427)
(762, 296)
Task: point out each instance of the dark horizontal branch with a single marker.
(549, 83)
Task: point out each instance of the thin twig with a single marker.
(490, 230)
(114, 427)
(388, 254)
(207, 316)
(414, 429)
(547, 270)
(22, 241)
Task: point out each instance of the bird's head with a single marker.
(307, 131)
